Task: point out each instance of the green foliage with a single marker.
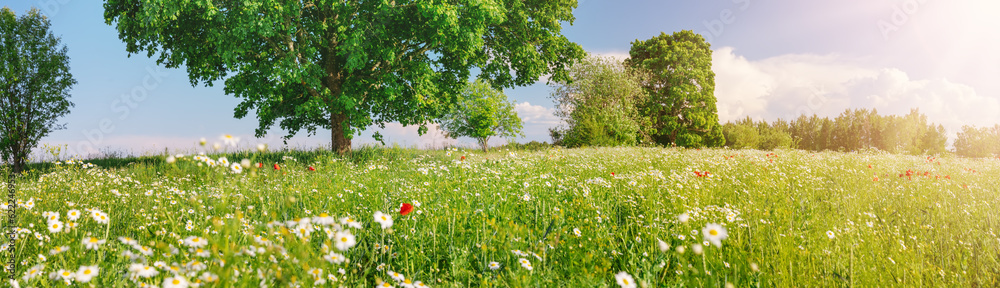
(599, 106)
(481, 113)
(978, 141)
(861, 129)
(740, 136)
(756, 135)
(681, 89)
(347, 65)
(530, 146)
(34, 84)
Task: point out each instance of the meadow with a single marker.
(590, 217)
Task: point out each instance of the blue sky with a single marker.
(773, 59)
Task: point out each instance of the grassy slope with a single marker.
(896, 231)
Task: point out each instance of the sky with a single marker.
(772, 58)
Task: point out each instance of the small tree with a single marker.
(599, 106)
(481, 113)
(34, 84)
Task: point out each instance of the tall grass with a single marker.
(793, 218)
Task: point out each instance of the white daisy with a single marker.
(383, 219)
(714, 233)
(85, 273)
(625, 280)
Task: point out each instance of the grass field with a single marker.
(547, 218)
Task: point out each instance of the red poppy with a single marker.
(612, 173)
(311, 168)
(260, 165)
(463, 158)
(406, 209)
(276, 167)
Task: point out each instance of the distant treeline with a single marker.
(861, 129)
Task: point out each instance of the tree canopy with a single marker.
(681, 89)
(481, 113)
(347, 65)
(34, 84)
(599, 105)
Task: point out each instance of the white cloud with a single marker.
(790, 85)
(535, 114)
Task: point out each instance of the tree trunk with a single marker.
(340, 143)
(484, 142)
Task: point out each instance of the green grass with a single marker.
(936, 227)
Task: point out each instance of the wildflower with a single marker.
(261, 147)
(395, 276)
(525, 263)
(66, 275)
(171, 159)
(230, 140)
(72, 215)
(494, 266)
(683, 217)
(311, 168)
(50, 216)
(324, 219)
(175, 282)
(55, 226)
(697, 248)
(350, 222)
(406, 209)
(662, 245)
(33, 272)
(576, 231)
(276, 167)
(58, 249)
(128, 241)
(383, 219)
(144, 271)
(303, 230)
(316, 272)
(625, 280)
(145, 250)
(345, 240)
(85, 273)
(195, 242)
(830, 234)
(202, 142)
(753, 267)
(714, 233)
(334, 258)
(421, 284)
(99, 216)
(383, 285)
(236, 168)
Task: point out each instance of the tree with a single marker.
(978, 142)
(599, 106)
(346, 65)
(681, 89)
(34, 84)
(481, 113)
